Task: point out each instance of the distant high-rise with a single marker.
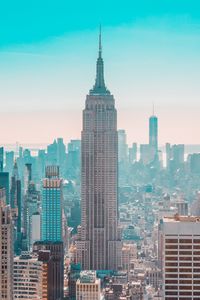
(61, 154)
(9, 161)
(74, 145)
(195, 205)
(31, 215)
(41, 163)
(4, 183)
(147, 154)
(6, 249)
(133, 153)
(16, 205)
(194, 163)
(153, 133)
(122, 146)
(168, 154)
(99, 244)
(73, 161)
(175, 156)
(27, 176)
(35, 232)
(52, 205)
(178, 154)
(1, 158)
(52, 153)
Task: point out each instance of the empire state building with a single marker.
(99, 239)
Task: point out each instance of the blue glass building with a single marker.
(52, 210)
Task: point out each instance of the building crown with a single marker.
(99, 87)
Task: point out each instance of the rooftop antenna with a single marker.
(153, 108)
(100, 43)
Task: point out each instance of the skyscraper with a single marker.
(52, 205)
(99, 244)
(9, 161)
(153, 133)
(61, 155)
(31, 213)
(4, 183)
(122, 146)
(1, 158)
(73, 161)
(175, 156)
(6, 249)
(16, 205)
(27, 176)
(133, 153)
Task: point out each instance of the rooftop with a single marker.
(178, 218)
(87, 276)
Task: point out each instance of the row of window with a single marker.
(182, 252)
(184, 241)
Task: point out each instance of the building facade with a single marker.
(122, 146)
(153, 132)
(28, 277)
(31, 219)
(88, 286)
(180, 248)
(4, 183)
(99, 244)
(55, 267)
(52, 206)
(6, 249)
(16, 205)
(44, 256)
(1, 158)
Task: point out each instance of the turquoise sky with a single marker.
(48, 51)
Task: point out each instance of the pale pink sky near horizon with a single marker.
(43, 126)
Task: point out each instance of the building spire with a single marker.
(15, 170)
(153, 108)
(100, 44)
(99, 87)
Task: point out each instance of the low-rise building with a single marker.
(88, 286)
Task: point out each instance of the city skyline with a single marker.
(99, 175)
(149, 53)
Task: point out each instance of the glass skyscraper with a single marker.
(153, 132)
(52, 209)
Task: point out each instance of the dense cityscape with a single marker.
(97, 218)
